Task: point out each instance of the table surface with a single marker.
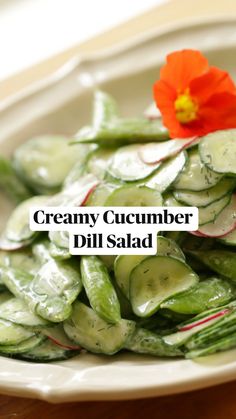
(213, 403)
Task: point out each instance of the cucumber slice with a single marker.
(157, 278)
(16, 311)
(157, 152)
(224, 222)
(146, 342)
(125, 264)
(210, 293)
(127, 165)
(57, 335)
(12, 334)
(134, 196)
(99, 289)
(195, 175)
(208, 214)
(44, 162)
(60, 239)
(98, 162)
(170, 201)
(218, 150)
(167, 173)
(100, 194)
(204, 198)
(47, 351)
(87, 329)
(22, 347)
(17, 227)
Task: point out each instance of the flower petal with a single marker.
(182, 67)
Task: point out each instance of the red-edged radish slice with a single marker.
(152, 112)
(223, 224)
(156, 152)
(204, 320)
(57, 335)
(11, 246)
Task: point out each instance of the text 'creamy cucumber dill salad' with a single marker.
(179, 303)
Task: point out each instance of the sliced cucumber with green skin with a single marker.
(17, 227)
(208, 214)
(195, 175)
(170, 201)
(205, 198)
(99, 161)
(134, 196)
(44, 162)
(157, 278)
(124, 264)
(96, 335)
(22, 347)
(218, 151)
(167, 173)
(210, 293)
(99, 289)
(157, 152)
(47, 351)
(127, 165)
(144, 341)
(222, 262)
(57, 335)
(12, 334)
(17, 311)
(100, 194)
(224, 223)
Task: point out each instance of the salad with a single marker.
(180, 302)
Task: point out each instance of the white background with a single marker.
(33, 30)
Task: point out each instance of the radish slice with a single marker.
(152, 112)
(10, 246)
(223, 224)
(156, 152)
(196, 233)
(77, 193)
(57, 335)
(204, 320)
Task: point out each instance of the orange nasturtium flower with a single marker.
(193, 97)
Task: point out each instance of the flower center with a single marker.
(186, 108)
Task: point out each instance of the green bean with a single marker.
(10, 183)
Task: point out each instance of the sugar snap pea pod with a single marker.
(210, 293)
(44, 162)
(99, 289)
(119, 132)
(220, 261)
(96, 335)
(22, 347)
(60, 239)
(144, 341)
(10, 183)
(157, 278)
(50, 292)
(223, 344)
(17, 227)
(109, 261)
(17, 311)
(124, 264)
(41, 251)
(104, 109)
(59, 253)
(46, 351)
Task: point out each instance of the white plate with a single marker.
(61, 104)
